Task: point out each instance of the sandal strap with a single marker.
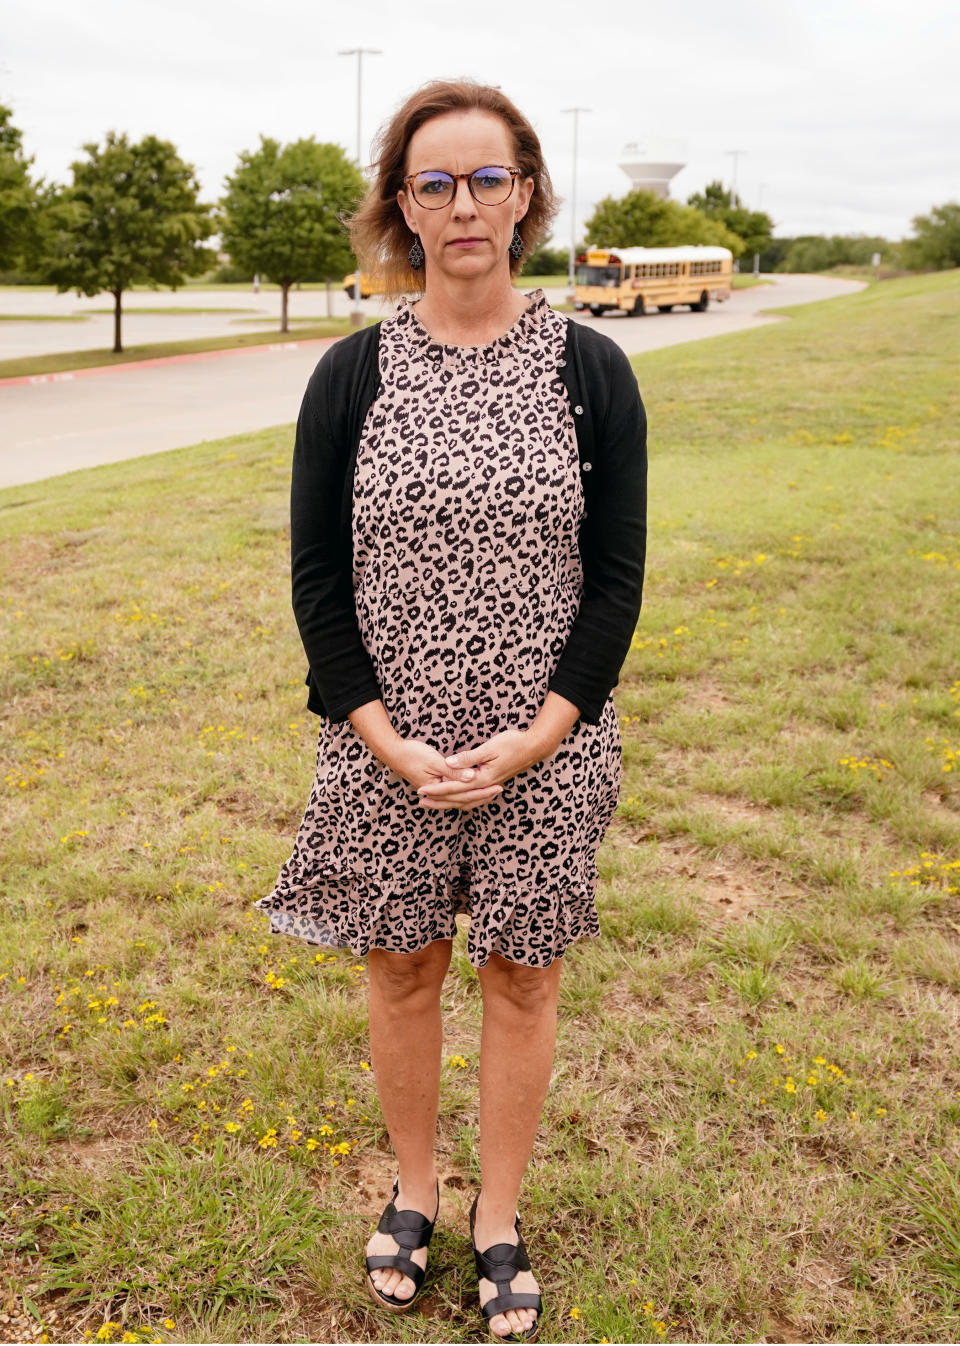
(500, 1304)
(400, 1263)
(410, 1228)
(502, 1261)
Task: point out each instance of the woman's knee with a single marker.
(523, 989)
(400, 976)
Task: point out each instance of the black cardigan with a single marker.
(611, 429)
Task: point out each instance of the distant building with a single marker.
(653, 163)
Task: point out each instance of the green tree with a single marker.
(281, 215)
(820, 252)
(130, 217)
(644, 219)
(18, 195)
(547, 260)
(935, 245)
(755, 227)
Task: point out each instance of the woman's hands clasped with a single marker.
(467, 778)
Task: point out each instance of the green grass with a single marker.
(174, 311)
(752, 1129)
(302, 329)
(42, 317)
(93, 359)
(742, 281)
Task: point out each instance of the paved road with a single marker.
(102, 417)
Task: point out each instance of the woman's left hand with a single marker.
(502, 756)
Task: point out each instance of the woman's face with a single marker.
(461, 142)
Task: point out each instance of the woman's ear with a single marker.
(405, 210)
(526, 192)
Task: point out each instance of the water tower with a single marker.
(652, 163)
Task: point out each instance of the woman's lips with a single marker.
(464, 242)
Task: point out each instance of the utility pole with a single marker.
(356, 317)
(573, 196)
(736, 155)
(756, 255)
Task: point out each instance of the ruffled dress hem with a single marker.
(343, 909)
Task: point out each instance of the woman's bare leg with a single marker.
(406, 1044)
(516, 1058)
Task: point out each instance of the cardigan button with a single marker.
(578, 411)
(561, 364)
(586, 467)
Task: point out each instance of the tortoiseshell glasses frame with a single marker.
(491, 195)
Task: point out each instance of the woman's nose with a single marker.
(463, 202)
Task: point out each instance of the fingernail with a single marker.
(467, 774)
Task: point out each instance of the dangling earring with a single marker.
(516, 243)
(416, 256)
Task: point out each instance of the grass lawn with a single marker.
(59, 361)
(43, 317)
(752, 1130)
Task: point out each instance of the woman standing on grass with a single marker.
(468, 527)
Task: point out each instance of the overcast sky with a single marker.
(847, 114)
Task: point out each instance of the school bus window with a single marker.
(598, 275)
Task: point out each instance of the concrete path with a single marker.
(80, 420)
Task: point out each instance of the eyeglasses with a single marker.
(490, 186)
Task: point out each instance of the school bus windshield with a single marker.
(598, 275)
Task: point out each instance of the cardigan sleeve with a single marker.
(323, 599)
(613, 543)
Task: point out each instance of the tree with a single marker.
(547, 260)
(281, 214)
(18, 195)
(820, 252)
(131, 217)
(644, 219)
(755, 227)
(936, 242)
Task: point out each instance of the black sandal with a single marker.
(500, 1263)
(411, 1230)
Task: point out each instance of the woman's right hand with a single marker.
(418, 763)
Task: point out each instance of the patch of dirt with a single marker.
(376, 1171)
(780, 1328)
(98, 1152)
(250, 807)
(741, 810)
(941, 808)
(730, 887)
(821, 1274)
(708, 696)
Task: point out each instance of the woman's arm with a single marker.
(613, 547)
(323, 599)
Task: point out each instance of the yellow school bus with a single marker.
(636, 280)
(368, 284)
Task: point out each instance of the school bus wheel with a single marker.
(596, 310)
(701, 305)
(638, 309)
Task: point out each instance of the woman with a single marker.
(465, 617)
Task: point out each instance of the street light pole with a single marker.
(573, 196)
(736, 155)
(356, 317)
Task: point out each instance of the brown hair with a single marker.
(378, 232)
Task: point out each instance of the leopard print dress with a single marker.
(467, 576)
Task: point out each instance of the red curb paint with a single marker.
(68, 375)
